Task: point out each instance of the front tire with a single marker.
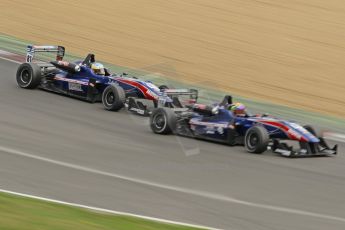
(256, 139)
(163, 87)
(163, 121)
(311, 130)
(28, 75)
(113, 98)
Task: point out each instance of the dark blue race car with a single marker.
(89, 80)
(257, 133)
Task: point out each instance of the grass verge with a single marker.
(21, 213)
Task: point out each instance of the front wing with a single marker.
(306, 149)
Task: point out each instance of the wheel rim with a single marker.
(252, 140)
(109, 98)
(25, 77)
(159, 122)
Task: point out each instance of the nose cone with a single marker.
(301, 133)
(309, 137)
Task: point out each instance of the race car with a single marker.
(90, 81)
(256, 132)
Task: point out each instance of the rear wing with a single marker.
(177, 92)
(32, 49)
(171, 97)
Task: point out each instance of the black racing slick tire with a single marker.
(163, 87)
(113, 98)
(28, 75)
(256, 139)
(311, 130)
(163, 121)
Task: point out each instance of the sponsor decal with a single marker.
(220, 130)
(74, 86)
(139, 111)
(209, 124)
(177, 91)
(210, 127)
(277, 130)
(59, 78)
(283, 152)
(210, 132)
(113, 81)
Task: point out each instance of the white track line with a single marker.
(334, 136)
(106, 210)
(10, 60)
(207, 195)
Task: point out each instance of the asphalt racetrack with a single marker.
(62, 148)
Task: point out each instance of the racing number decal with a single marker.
(29, 53)
(29, 58)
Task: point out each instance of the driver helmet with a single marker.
(238, 109)
(98, 68)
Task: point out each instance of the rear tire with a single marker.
(113, 98)
(163, 121)
(28, 75)
(256, 139)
